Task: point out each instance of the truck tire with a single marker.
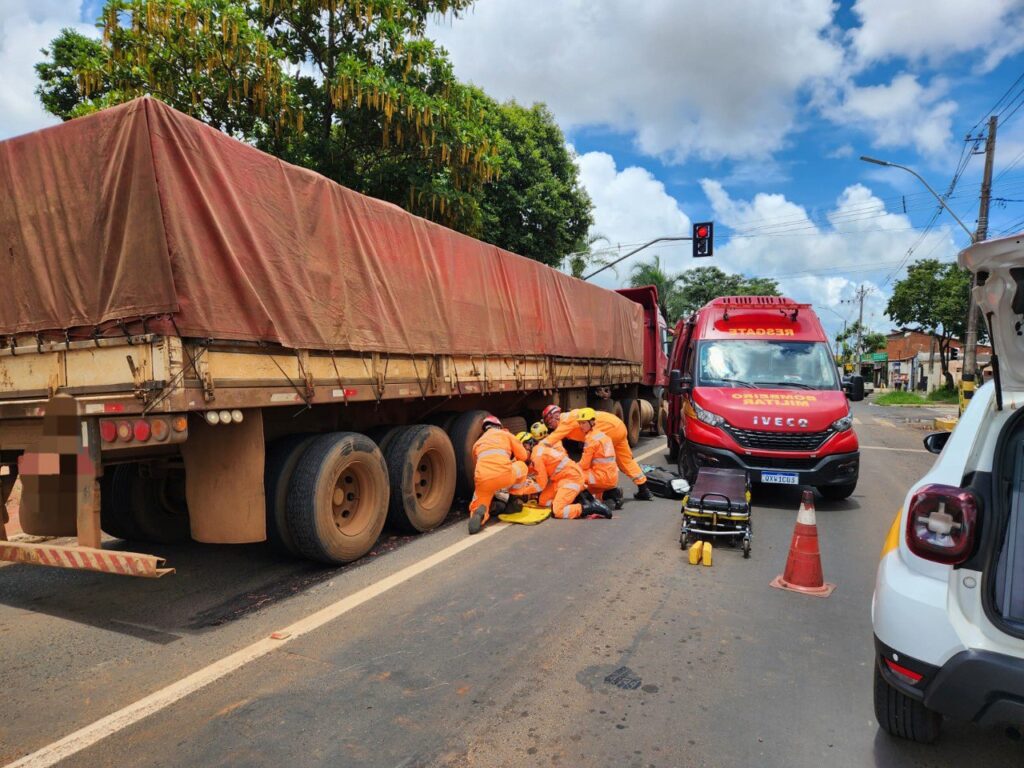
(383, 435)
(464, 433)
(648, 416)
(338, 498)
(617, 410)
(838, 492)
(515, 424)
(904, 717)
(443, 419)
(421, 465)
(282, 457)
(155, 506)
(631, 411)
(115, 518)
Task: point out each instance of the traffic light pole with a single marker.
(633, 253)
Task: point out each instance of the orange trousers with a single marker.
(488, 480)
(624, 454)
(560, 493)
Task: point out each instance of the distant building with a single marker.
(914, 362)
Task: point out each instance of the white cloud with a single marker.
(630, 207)
(899, 114)
(821, 262)
(934, 30)
(25, 28)
(683, 76)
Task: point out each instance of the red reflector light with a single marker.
(142, 430)
(113, 408)
(908, 674)
(941, 523)
(108, 431)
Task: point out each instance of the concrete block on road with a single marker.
(945, 423)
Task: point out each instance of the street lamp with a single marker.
(971, 342)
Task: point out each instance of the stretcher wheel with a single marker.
(421, 468)
(746, 549)
(282, 457)
(338, 498)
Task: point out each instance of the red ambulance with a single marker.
(753, 385)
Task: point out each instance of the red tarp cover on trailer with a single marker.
(140, 210)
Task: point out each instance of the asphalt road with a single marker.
(573, 643)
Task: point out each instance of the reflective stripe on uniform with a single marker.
(590, 478)
(572, 486)
(604, 460)
(494, 452)
(561, 465)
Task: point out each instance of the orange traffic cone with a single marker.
(803, 567)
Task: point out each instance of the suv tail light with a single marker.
(941, 523)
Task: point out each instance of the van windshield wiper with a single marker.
(788, 384)
(737, 381)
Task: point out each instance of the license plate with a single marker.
(780, 478)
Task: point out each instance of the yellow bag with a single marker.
(695, 552)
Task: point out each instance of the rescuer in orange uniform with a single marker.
(566, 425)
(500, 464)
(598, 462)
(560, 478)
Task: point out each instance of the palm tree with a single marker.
(652, 273)
(576, 264)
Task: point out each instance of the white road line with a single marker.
(163, 698)
(887, 448)
(651, 452)
(856, 420)
(885, 423)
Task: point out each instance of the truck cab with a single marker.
(753, 385)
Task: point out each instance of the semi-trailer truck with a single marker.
(200, 341)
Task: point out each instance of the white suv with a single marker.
(948, 609)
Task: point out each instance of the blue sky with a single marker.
(750, 114)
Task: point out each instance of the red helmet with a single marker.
(552, 411)
(491, 422)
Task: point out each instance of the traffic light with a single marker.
(703, 238)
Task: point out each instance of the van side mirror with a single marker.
(855, 389)
(936, 441)
(679, 383)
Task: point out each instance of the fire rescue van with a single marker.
(754, 386)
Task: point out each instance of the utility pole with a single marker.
(971, 340)
(862, 292)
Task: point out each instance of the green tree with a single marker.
(59, 87)
(696, 287)
(580, 262)
(935, 298)
(372, 103)
(652, 273)
(536, 207)
(870, 341)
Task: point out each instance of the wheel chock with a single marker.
(706, 557)
(696, 550)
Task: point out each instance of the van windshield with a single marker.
(766, 364)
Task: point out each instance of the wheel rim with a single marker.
(425, 475)
(353, 499)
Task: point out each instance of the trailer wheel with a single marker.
(515, 424)
(464, 433)
(154, 502)
(115, 517)
(617, 410)
(383, 435)
(421, 465)
(282, 457)
(631, 409)
(338, 498)
(443, 419)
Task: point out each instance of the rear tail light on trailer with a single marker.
(941, 523)
(148, 430)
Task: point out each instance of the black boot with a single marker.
(643, 493)
(514, 504)
(614, 497)
(595, 507)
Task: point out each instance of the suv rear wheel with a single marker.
(899, 715)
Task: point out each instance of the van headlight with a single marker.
(709, 418)
(843, 424)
